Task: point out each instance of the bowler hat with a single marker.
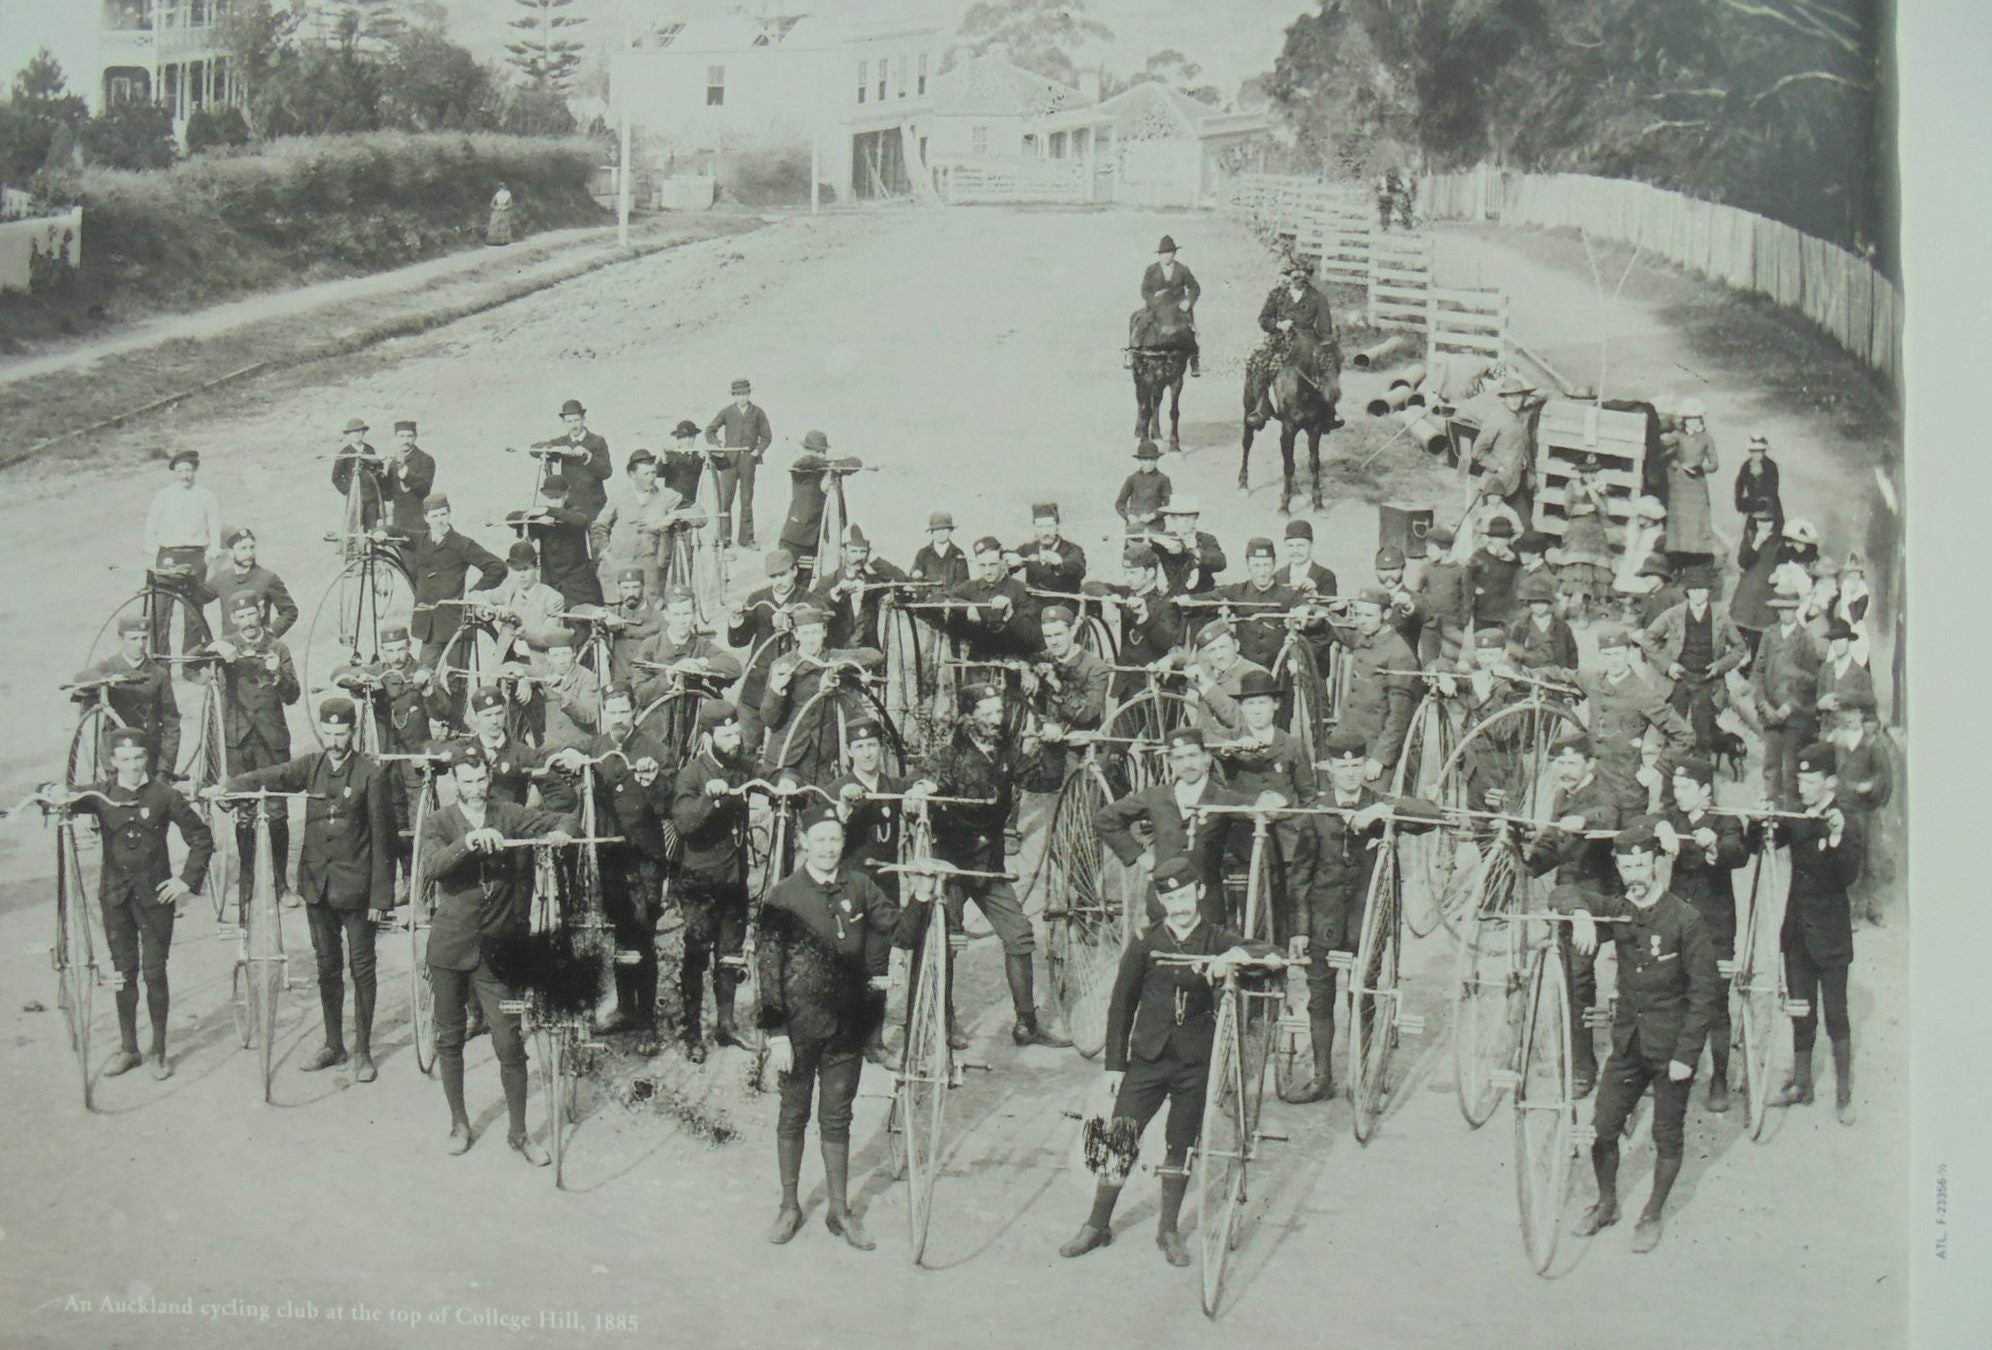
(354, 424)
(815, 440)
(1167, 245)
(573, 408)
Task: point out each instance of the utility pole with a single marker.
(815, 167)
(622, 174)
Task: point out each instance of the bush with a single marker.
(289, 212)
(771, 178)
(130, 136)
(211, 127)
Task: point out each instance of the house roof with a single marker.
(994, 86)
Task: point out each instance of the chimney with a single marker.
(1089, 86)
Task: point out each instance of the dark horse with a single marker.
(1304, 387)
(1158, 345)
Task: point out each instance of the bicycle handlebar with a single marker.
(52, 798)
(562, 843)
(937, 868)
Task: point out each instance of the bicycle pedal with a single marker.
(1727, 969)
(1342, 961)
(1797, 1007)
(1582, 1136)
(1411, 1024)
(598, 1046)
(626, 957)
(1595, 1018)
(733, 962)
(1508, 1080)
(512, 1007)
(972, 1064)
(1275, 1138)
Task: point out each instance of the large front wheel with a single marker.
(1489, 1004)
(1221, 1153)
(1091, 900)
(924, 1076)
(1545, 1112)
(369, 595)
(1374, 997)
(75, 951)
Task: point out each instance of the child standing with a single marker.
(1585, 574)
(1146, 490)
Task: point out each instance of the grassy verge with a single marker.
(289, 213)
(40, 410)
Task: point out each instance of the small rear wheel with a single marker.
(1545, 1112)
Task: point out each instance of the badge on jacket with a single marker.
(1656, 944)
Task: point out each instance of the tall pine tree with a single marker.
(541, 52)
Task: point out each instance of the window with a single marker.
(901, 85)
(978, 140)
(864, 79)
(884, 70)
(921, 88)
(715, 86)
(125, 89)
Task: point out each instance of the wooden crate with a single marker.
(1570, 429)
(1471, 323)
(1400, 281)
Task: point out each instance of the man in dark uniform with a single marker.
(633, 800)
(1000, 622)
(1160, 1023)
(1299, 326)
(1191, 558)
(1445, 595)
(1167, 284)
(855, 594)
(1337, 887)
(1260, 758)
(440, 561)
(1049, 562)
(137, 891)
(747, 436)
(560, 529)
(398, 695)
(410, 476)
(752, 627)
(825, 945)
(1493, 574)
(258, 681)
(345, 871)
(1706, 850)
(711, 885)
(142, 696)
(1695, 646)
(1260, 605)
(1576, 845)
(679, 656)
(1378, 703)
(1068, 685)
(1406, 611)
(1167, 820)
(810, 477)
(581, 458)
(634, 617)
(484, 896)
(979, 764)
(241, 572)
(1299, 572)
(1667, 996)
(508, 761)
(1150, 623)
(1827, 854)
(802, 729)
(872, 827)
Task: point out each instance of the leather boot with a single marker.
(837, 1180)
(1718, 1080)
(726, 1027)
(1797, 1089)
(1166, 1236)
(1843, 1080)
(1321, 1087)
(788, 1158)
(1030, 1029)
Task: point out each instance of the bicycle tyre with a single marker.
(366, 595)
(421, 911)
(1758, 995)
(1489, 1006)
(75, 955)
(926, 1070)
(1373, 995)
(1302, 694)
(1419, 773)
(1221, 1155)
(1086, 921)
(1545, 1112)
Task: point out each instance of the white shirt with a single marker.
(183, 518)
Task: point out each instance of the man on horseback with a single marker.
(1300, 328)
(1169, 297)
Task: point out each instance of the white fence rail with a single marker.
(1840, 292)
(21, 241)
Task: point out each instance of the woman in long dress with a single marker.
(1690, 454)
(1584, 573)
(499, 230)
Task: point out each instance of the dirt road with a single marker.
(971, 355)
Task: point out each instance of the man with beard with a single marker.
(999, 622)
(752, 626)
(802, 728)
(978, 763)
(854, 592)
(633, 800)
(711, 885)
(1050, 563)
(240, 573)
(1260, 605)
(1666, 1000)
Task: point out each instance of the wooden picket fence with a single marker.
(1012, 179)
(1842, 293)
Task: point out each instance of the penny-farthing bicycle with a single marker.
(1761, 1007)
(261, 965)
(1548, 1134)
(371, 592)
(421, 906)
(177, 637)
(1229, 1141)
(929, 1068)
(73, 954)
(1419, 772)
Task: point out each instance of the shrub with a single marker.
(212, 127)
(130, 136)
